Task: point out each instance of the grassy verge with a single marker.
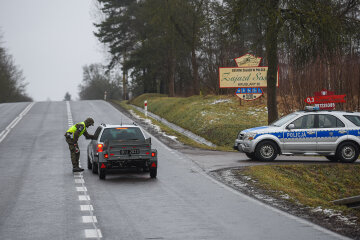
(311, 185)
(218, 119)
(166, 129)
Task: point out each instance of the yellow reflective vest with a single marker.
(73, 129)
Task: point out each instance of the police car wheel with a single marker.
(332, 158)
(348, 152)
(251, 156)
(266, 151)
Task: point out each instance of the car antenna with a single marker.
(121, 121)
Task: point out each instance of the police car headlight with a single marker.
(250, 136)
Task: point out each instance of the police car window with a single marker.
(283, 120)
(304, 122)
(329, 121)
(122, 133)
(354, 119)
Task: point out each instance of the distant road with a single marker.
(40, 198)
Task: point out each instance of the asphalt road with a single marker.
(40, 198)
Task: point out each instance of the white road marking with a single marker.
(89, 219)
(5, 132)
(93, 233)
(81, 189)
(84, 198)
(79, 178)
(86, 208)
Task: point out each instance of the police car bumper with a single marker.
(243, 146)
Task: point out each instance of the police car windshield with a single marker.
(284, 120)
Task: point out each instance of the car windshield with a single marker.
(122, 133)
(284, 120)
(354, 119)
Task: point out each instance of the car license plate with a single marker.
(132, 151)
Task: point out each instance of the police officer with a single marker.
(72, 135)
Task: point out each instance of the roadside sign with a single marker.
(249, 94)
(325, 99)
(248, 60)
(243, 77)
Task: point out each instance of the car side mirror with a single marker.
(290, 126)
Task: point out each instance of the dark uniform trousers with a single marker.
(74, 155)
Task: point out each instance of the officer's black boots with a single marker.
(78, 169)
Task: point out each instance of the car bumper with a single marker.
(244, 146)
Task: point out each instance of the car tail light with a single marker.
(100, 148)
(153, 154)
(103, 166)
(106, 155)
(147, 153)
(153, 165)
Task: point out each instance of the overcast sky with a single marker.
(50, 41)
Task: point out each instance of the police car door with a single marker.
(330, 129)
(302, 138)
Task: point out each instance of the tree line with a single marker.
(175, 47)
(12, 81)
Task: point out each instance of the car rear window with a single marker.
(354, 119)
(122, 133)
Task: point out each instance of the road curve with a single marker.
(39, 197)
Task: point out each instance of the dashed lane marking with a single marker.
(89, 219)
(81, 189)
(93, 233)
(88, 208)
(79, 180)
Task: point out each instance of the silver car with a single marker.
(333, 134)
(121, 147)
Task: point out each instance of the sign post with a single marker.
(145, 107)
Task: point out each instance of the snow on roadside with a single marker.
(220, 101)
(155, 127)
(337, 214)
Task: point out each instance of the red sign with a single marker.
(326, 99)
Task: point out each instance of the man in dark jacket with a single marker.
(72, 135)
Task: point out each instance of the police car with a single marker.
(333, 134)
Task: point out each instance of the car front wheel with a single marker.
(266, 151)
(251, 156)
(347, 152)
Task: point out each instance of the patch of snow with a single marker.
(331, 213)
(220, 101)
(155, 127)
(285, 196)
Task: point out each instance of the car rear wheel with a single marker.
(102, 173)
(153, 172)
(332, 158)
(348, 152)
(266, 151)
(89, 165)
(94, 168)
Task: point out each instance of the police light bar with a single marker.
(311, 108)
